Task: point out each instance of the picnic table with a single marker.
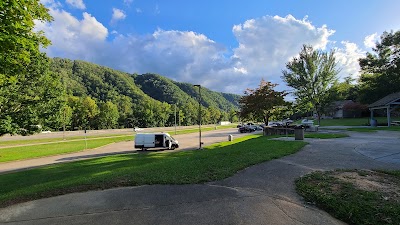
(278, 130)
(309, 124)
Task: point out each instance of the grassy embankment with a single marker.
(48, 147)
(213, 163)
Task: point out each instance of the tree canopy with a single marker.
(380, 70)
(29, 93)
(262, 102)
(312, 74)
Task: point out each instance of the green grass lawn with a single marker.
(41, 149)
(187, 167)
(350, 203)
(10, 143)
(170, 130)
(374, 129)
(352, 121)
(34, 151)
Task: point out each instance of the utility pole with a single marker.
(175, 119)
(200, 143)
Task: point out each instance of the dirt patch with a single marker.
(367, 180)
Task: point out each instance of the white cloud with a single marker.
(118, 14)
(265, 45)
(347, 59)
(73, 38)
(76, 3)
(370, 40)
(138, 10)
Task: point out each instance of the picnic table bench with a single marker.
(268, 131)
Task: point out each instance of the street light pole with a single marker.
(198, 85)
(175, 119)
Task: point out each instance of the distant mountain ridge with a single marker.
(143, 93)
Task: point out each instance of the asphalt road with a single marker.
(186, 141)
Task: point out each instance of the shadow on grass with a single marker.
(186, 167)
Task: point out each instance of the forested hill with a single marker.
(136, 100)
(166, 90)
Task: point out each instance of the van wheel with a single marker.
(172, 147)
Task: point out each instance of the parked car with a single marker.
(246, 129)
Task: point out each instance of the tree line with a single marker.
(37, 92)
(313, 77)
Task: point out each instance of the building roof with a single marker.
(386, 101)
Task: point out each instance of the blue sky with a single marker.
(224, 45)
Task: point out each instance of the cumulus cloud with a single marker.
(267, 43)
(370, 40)
(76, 3)
(117, 15)
(347, 59)
(264, 46)
(73, 38)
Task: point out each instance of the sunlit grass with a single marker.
(213, 163)
(28, 152)
(374, 129)
(9, 143)
(42, 149)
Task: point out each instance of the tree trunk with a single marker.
(319, 118)
(266, 118)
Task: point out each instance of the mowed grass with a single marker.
(10, 143)
(187, 167)
(170, 130)
(350, 203)
(41, 149)
(352, 121)
(34, 151)
(374, 129)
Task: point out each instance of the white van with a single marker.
(155, 140)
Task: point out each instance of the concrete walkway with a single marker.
(261, 194)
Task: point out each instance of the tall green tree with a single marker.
(345, 90)
(262, 102)
(312, 75)
(84, 111)
(381, 69)
(108, 116)
(29, 93)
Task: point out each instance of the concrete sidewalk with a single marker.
(261, 194)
